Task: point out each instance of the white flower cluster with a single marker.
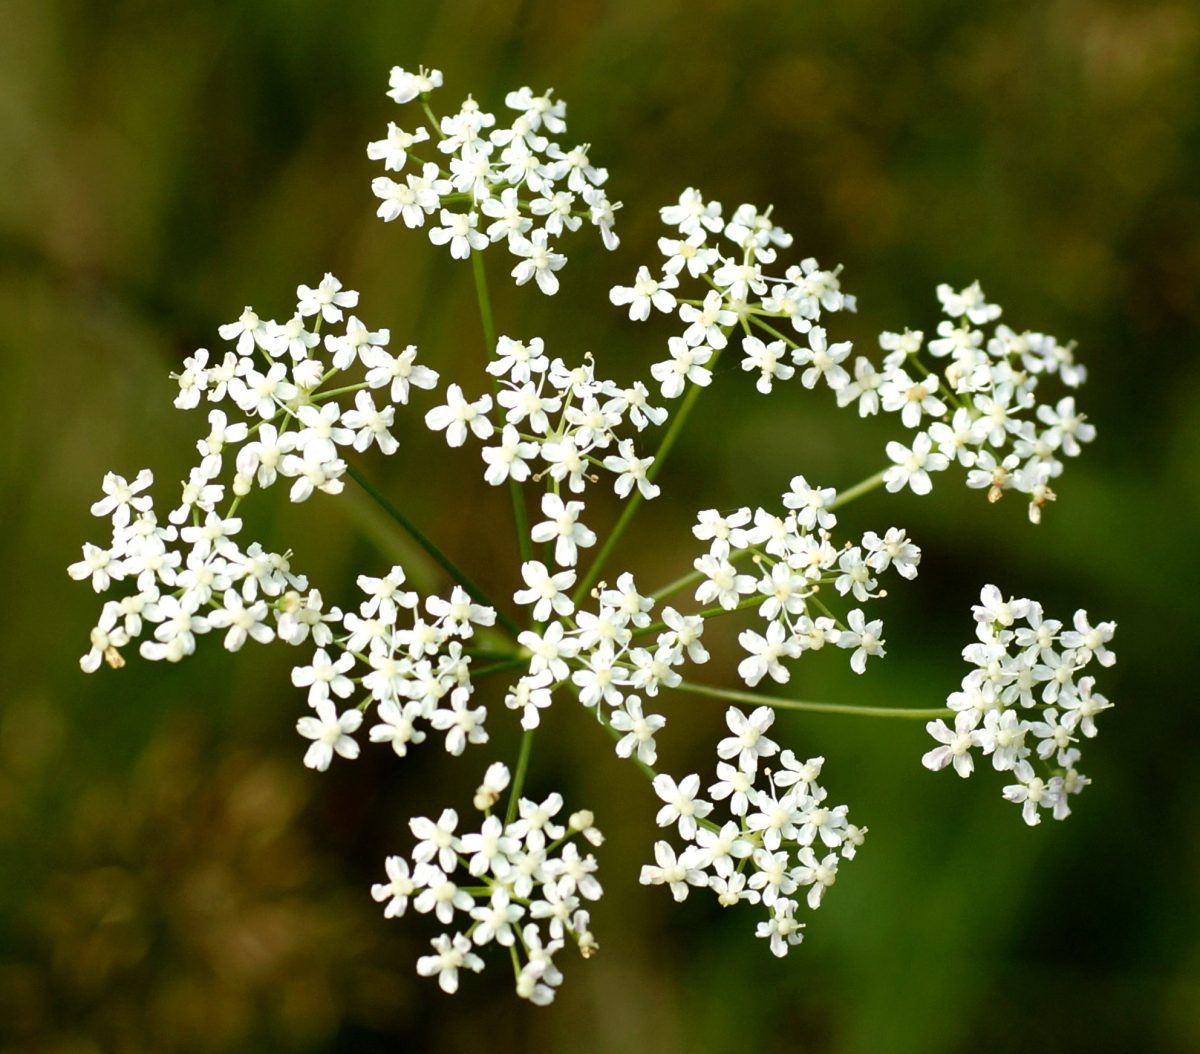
(497, 183)
(525, 883)
(191, 574)
(795, 558)
(1024, 704)
(417, 673)
(732, 257)
(603, 656)
(564, 421)
(984, 410)
(782, 836)
(288, 401)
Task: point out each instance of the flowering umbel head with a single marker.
(298, 401)
(478, 182)
(1024, 704)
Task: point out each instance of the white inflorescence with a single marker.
(983, 409)
(1024, 704)
(781, 843)
(517, 184)
(522, 883)
(290, 401)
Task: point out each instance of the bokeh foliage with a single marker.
(171, 879)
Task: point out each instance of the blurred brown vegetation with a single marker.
(172, 880)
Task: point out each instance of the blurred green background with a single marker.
(171, 878)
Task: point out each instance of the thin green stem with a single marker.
(500, 667)
(518, 782)
(434, 124)
(439, 557)
(671, 588)
(756, 320)
(321, 395)
(635, 499)
(492, 653)
(485, 302)
(754, 699)
(707, 613)
(489, 335)
(858, 490)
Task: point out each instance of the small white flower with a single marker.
(811, 504)
(458, 229)
(121, 498)
(327, 299)
(538, 262)
(400, 372)
(683, 806)
(686, 365)
(330, 733)
(970, 302)
(766, 653)
(449, 956)
(562, 527)
(956, 744)
(325, 675)
(864, 638)
(749, 741)
(396, 890)
(823, 360)
(405, 86)
(645, 293)
(460, 722)
(457, 416)
(677, 873)
(546, 591)
(912, 466)
(638, 729)
(631, 471)
(397, 725)
(393, 149)
(767, 360)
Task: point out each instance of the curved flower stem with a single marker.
(869, 484)
(489, 335)
(635, 499)
(671, 588)
(496, 655)
(500, 667)
(754, 699)
(439, 557)
(518, 783)
(707, 613)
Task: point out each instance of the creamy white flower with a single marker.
(330, 733)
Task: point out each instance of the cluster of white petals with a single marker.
(780, 840)
(730, 261)
(293, 400)
(609, 657)
(561, 425)
(982, 409)
(1024, 704)
(282, 410)
(520, 883)
(477, 182)
(794, 560)
(414, 672)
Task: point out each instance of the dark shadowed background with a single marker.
(171, 878)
